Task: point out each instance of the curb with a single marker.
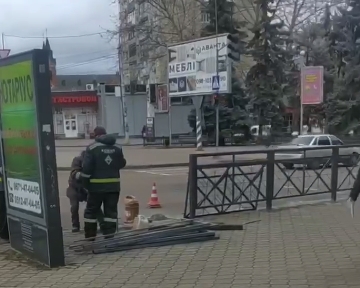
(135, 167)
(84, 146)
(151, 166)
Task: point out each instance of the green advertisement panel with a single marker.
(19, 128)
(28, 158)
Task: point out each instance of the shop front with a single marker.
(75, 113)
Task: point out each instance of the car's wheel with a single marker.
(288, 165)
(314, 164)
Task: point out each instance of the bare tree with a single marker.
(173, 21)
(161, 22)
(297, 14)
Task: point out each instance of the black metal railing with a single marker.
(243, 180)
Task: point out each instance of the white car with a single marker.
(348, 156)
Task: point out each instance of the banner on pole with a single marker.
(312, 83)
(162, 98)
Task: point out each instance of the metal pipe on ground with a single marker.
(145, 240)
(100, 239)
(151, 235)
(180, 240)
(158, 234)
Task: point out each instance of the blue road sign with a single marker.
(215, 82)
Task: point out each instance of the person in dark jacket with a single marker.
(143, 131)
(102, 163)
(77, 193)
(355, 190)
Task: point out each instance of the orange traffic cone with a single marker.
(154, 200)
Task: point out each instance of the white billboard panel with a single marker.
(192, 67)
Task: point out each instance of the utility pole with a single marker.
(3, 40)
(217, 75)
(121, 77)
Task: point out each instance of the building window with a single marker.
(131, 35)
(63, 83)
(131, 18)
(205, 17)
(181, 101)
(132, 50)
(58, 110)
(176, 100)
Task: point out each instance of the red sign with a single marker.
(312, 84)
(162, 99)
(68, 100)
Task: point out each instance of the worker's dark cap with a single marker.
(99, 130)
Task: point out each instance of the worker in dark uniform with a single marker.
(77, 193)
(102, 161)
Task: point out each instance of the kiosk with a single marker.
(29, 161)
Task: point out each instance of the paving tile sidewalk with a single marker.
(309, 246)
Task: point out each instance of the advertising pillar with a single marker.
(312, 88)
(29, 161)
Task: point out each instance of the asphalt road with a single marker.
(171, 186)
(171, 192)
(143, 156)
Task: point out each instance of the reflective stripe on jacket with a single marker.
(105, 180)
(102, 161)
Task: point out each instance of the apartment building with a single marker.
(148, 26)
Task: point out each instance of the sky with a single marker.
(31, 21)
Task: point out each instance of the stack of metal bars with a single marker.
(162, 234)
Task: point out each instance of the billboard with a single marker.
(162, 98)
(28, 155)
(312, 84)
(192, 67)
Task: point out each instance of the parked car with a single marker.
(349, 156)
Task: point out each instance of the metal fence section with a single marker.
(232, 183)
